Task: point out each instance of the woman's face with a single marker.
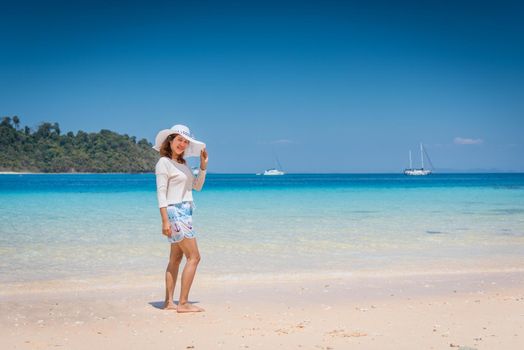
(179, 144)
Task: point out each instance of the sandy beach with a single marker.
(465, 310)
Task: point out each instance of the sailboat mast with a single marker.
(422, 155)
(410, 162)
(279, 166)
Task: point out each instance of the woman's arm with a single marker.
(162, 180)
(198, 182)
(161, 183)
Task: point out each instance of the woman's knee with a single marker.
(193, 258)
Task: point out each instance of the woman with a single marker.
(175, 182)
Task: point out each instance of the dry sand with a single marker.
(475, 310)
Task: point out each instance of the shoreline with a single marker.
(144, 281)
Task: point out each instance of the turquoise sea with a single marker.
(59, 227)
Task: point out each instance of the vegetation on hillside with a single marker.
(47, 150)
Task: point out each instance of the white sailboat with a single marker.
(421, 171)
(274, 171)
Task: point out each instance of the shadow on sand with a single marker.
(160, 304)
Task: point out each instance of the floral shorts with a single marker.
(180, 218)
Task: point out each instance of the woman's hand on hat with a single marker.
(203, 159)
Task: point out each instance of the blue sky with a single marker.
(330, 86)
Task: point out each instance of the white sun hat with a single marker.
(195, 146)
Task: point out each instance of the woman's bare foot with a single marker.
(188, 308)
(169, 305)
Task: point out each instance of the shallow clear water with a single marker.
(85, 225)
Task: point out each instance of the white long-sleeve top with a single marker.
(175, 182)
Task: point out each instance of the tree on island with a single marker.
(47, 150)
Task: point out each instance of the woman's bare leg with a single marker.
(190, 249)
(175, 257)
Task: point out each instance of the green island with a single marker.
(46, 150)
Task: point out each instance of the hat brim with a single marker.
(193, 150)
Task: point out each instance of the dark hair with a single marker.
(165, 149)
